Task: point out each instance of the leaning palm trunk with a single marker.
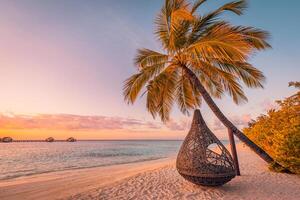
(223, 119)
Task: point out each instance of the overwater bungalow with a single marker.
(50, 139)
(71, 139)
(7, 139)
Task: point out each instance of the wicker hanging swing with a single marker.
(199, 164)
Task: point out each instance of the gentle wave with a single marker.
(112, 154)
(25, 159)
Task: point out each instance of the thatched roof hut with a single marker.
(50, 139)
(7, 139)
(71, 139)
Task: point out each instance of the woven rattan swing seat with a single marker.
(202, 158)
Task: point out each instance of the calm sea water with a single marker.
(23, 159)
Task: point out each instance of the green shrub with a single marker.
(278, 133)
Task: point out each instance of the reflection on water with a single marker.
(21, 159)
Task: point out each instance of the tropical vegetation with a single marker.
(203, 57)
(278, 133)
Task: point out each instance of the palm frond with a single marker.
(204, 22)
(236, 7)
(170, 22)
(160, 93)
(257, 38)
(228, 82)
(216, 81)
(187, 96)
(162, 31)
(235, 90)
(222, 41)
(251, 76)
(180, 22)
(134, 84)
(196, 5)
(147, 57)
(209, 77)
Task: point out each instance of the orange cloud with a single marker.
(61, 126)
(72, 122)
(181, 125)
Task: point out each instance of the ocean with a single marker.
(28, 158)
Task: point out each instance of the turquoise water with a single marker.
(27, 158)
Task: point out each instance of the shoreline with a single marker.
(81, 168)
(45, 185)
(155, 179)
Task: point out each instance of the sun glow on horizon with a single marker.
(61, 126)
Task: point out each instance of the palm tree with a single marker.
(202, 56)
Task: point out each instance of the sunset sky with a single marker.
(63, 63)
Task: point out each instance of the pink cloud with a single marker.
(239, 121)
(180, 125)
(267, 104)
(73, 122)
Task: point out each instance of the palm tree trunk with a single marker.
(223, 119)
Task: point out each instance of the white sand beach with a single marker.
(156, 179)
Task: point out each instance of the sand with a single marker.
(156, 179)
